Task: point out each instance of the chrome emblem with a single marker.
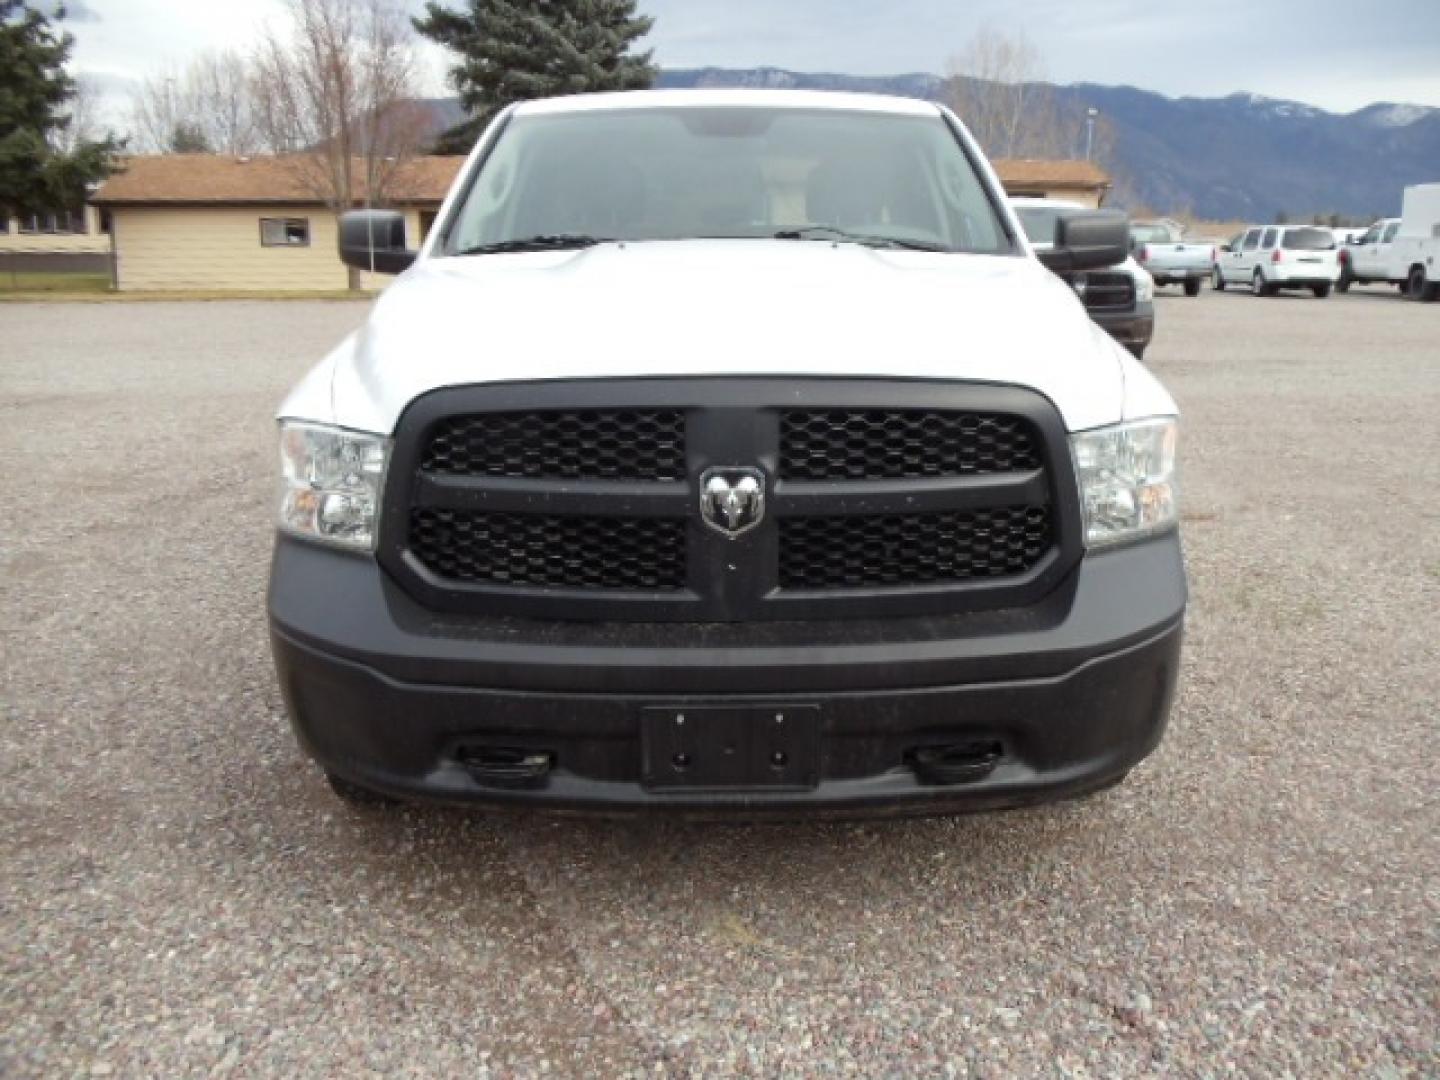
(732, 501)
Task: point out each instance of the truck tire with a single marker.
(1419, 288)
(1217, 280)
(1320, 291)
(1192, 286)
(355, 794)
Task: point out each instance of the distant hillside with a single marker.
(1239, 157)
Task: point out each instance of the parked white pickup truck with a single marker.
(1169, 259)
(1366, 259)
(730, 451)
(1403, 251)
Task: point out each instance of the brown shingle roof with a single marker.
(208, 179)
(1023, 172)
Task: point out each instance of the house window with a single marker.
(284, 232)
(58, 222)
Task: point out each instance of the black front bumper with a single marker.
(1072, 691)
(1133, 328)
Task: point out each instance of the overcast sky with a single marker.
(1338, 54)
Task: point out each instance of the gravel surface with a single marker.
(180, 893)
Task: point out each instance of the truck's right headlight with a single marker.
(1127, 480)
(330, 483)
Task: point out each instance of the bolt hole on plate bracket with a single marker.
(727, 748)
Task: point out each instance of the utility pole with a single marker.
(1090, 115)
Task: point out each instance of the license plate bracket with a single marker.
(727, 747)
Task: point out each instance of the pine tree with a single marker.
(189, 138)
(35, 175)
(515, 50)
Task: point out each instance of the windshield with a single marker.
(1308, 240)
(1038, 223)
(1151, 234)
(676, 173)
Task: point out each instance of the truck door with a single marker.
(1382, 268)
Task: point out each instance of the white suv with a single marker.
(1274, 257)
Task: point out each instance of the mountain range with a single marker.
(1239, 158)
(1242, 157)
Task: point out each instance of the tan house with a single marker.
(1077, 181)
(216, 223)
(212, 222)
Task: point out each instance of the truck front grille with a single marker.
(581, 500)
(869, 444)
(551, 549)
(906, 549)
(561, 444)
(1109, 290)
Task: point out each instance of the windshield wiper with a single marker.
(832, 232)
(543, 242)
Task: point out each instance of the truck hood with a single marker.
(722, 307)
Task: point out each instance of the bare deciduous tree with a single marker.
(996, 85)
(82, 117)
(208, 105)
(220, 91)
(335, 97)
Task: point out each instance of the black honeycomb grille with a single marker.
(616, 444)
(1107, 291)
(912, 549)
(551, 550)
(896, 444)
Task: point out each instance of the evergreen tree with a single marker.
(515, 50)
(189, 138)
(35, 176)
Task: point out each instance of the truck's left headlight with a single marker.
(1127, 480)
(330, 483)
(1144, 287)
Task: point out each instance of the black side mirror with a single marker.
(1088, 240)
(375, 240)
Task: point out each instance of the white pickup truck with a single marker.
(1403, 251)
(728, 451)
(1170, 260)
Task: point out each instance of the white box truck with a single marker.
(1415, 253)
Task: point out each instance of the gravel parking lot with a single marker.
(180, 893)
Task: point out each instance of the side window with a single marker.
(1252, 239)
(1390, 231)
(284, 232)
(1269, 241)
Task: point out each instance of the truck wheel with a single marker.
(1320, 291)
(1420, 289)
(1192, 286)
(1217, 280)
(355, 794)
